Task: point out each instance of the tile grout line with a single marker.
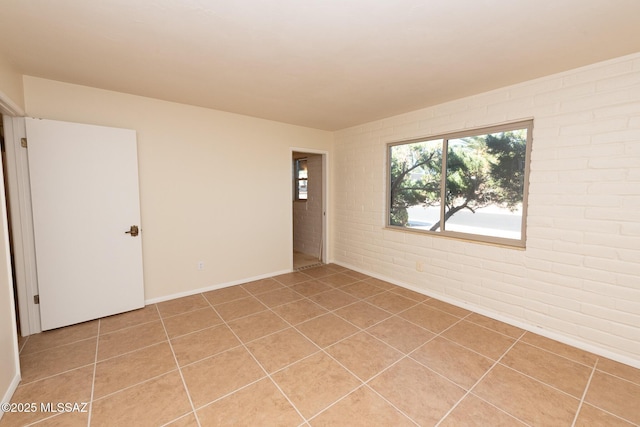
(359, 329)
(20, 348)
(557, 354)
(405, 355)
(175, 359)
(268, 375)
(478, 382)
(408, 356)
(128, 387)
(320, 349)
(541, 382)
(93, 378)
(584, 393)
(55, 375)
(323, 350)
(56, 347)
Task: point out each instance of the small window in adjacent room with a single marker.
(300, 179)
(470, 185)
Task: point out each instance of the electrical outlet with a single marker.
(200, 265)
(419, 266)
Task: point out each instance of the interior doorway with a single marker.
(308, 208)
(9, 229)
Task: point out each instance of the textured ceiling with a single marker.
(326, 64)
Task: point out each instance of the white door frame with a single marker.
(24, 254)
(9, 110)
(325, 202)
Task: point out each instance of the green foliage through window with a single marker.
(477, 188)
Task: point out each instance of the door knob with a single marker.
(134, 231)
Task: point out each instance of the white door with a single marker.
(84, 192)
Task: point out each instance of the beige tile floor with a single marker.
(323, 347)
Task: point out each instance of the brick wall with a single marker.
(307, 216)
(579, 277)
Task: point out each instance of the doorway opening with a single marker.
(308, 210)
(9, 228)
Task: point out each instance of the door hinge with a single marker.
(36, 299)
(23, 142)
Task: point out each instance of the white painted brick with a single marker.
(632, 268)
(601, 301)
(544, 189)
(598, 100)
(566, 92)
(506, 298)
(574, 275)
(502, 287)
(606, 226)
(608, 340)
(559, 211)
(628, 80)
(630, 229)
(631, 202)
(616, 110)
(579, 275)
(613, 162)
(623, 295)
(628, 240)
(560, 165)
(558, 120)
(533, 265)
(531, 88)
(626, 135)
(554, 279)
(501, 267)
(630, 332)
(612, 214)
(583, 249)
(609, 150)
(589, 74)
(576, 317)
(631, 306)
(596, 127)
(629, 255)
(632, 149)
(609, 314)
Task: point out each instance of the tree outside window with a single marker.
(470, 185)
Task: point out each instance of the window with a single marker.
(470, 185)
(300, 179)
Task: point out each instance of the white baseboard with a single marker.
(12, 389)
(506, 319)
(214, 287)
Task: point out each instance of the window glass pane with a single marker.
(302, 168)
(302, 189)
(415, 184)
(485, 184)
(471, 184)
(300, 179)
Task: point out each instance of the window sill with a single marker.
(463, 237)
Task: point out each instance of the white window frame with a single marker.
(443, 232)
(297, 179)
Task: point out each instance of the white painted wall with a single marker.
(214, 186)
(11, 84)
(307, 216)
(579, 277)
